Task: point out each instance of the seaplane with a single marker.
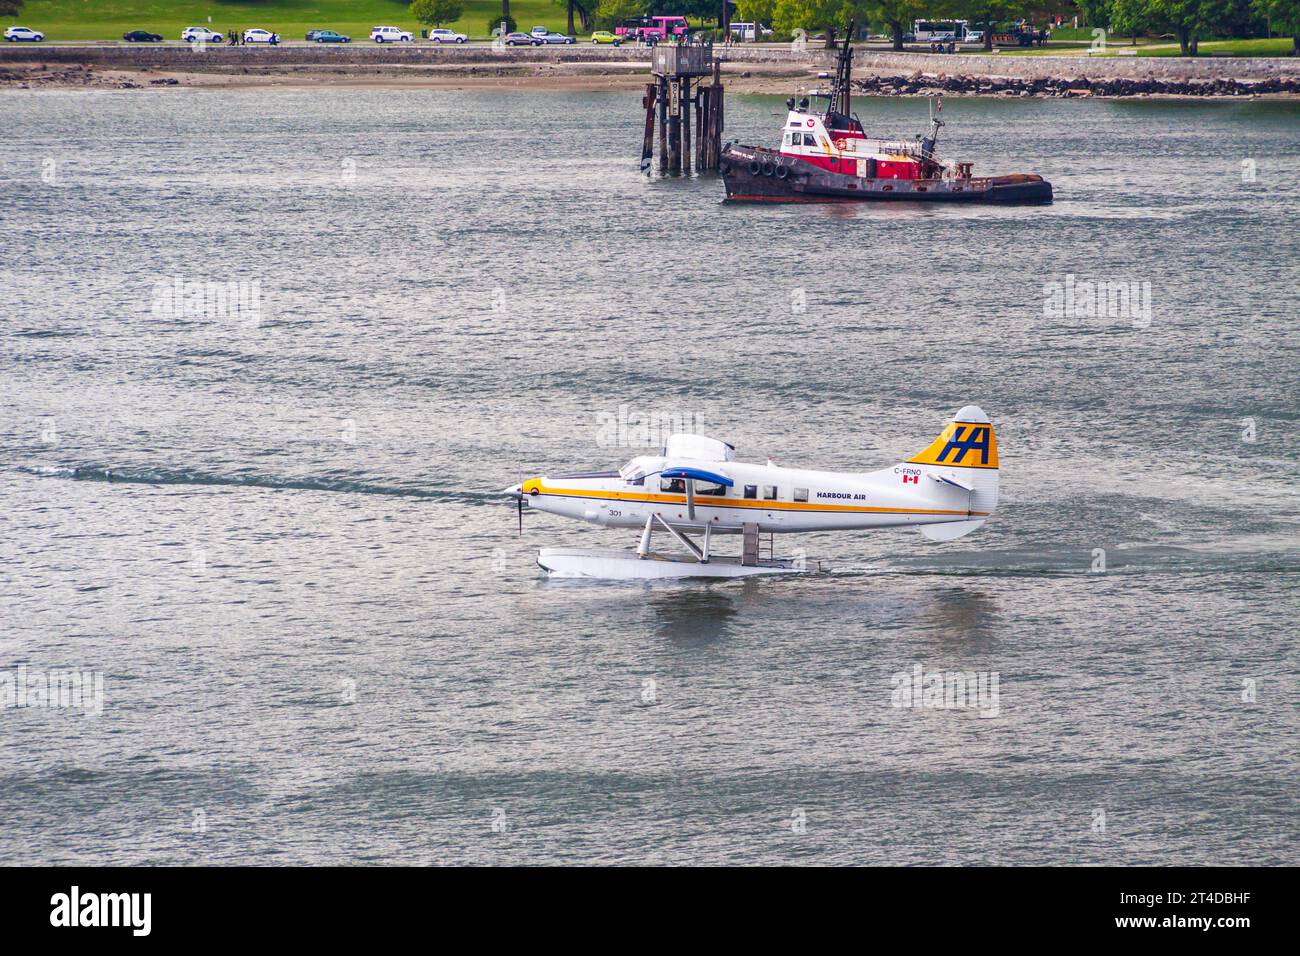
(695, 489)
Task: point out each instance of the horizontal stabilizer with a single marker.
(952, 479)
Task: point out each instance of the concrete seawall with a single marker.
(222, 58)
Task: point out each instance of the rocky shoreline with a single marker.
(919, 83)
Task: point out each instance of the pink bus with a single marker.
(658, 28)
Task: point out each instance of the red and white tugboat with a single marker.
(827, 157)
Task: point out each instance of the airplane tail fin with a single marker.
(964, 455)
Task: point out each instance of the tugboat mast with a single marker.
(840, 102)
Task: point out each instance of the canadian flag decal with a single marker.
(912, 478)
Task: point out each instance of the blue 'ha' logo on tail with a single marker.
(977, 441)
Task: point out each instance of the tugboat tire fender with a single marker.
(782, 171)
(755, 167)
(767, 168)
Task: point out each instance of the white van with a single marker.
(745, 31)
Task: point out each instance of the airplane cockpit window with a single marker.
(674, 485)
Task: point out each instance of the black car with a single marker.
(141, 36)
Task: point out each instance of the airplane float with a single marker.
(695, 489)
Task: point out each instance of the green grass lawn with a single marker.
(1277, 46)
(1152, 46)
(109, 19)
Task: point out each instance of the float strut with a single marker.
(688, 545)
(644, 547)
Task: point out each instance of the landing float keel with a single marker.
(612, 565)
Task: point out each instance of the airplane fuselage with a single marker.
(774, 498)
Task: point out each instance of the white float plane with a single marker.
(695, 487)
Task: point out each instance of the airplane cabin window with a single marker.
(751, 491)
(801, 494)
(769, 492)
(717, 490)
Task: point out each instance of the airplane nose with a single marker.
(514, 491)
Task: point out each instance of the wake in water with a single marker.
(157, 476)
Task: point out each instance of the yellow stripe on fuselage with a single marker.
(713, 501)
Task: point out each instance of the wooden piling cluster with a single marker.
(678, 69)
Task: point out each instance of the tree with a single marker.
(1188, 19)
(1283, 15)
(576, 6)
(1129, 16)
(755, 11)
(10, 8)
(898, 16)
(437, 12)
(610, 13)
(1095, 13)
(830, 16)
(986, 14)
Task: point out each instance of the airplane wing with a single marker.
(698, 474)
(692, 475)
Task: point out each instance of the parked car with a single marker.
(141, 36)
(329, 36)
(257, 35)
(538, 33)
(604, 36)
(521, 39)
(558, 38)
(193, 34)
(312, 35)
(973, 36)
(18, 34)
(447, 36)
(389, 35)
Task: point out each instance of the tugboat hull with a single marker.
(751, 173)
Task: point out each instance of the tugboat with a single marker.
(826, 156)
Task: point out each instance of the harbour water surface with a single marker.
(277, 536)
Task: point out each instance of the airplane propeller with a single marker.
(516, 492)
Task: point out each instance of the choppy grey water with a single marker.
(321, 640)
